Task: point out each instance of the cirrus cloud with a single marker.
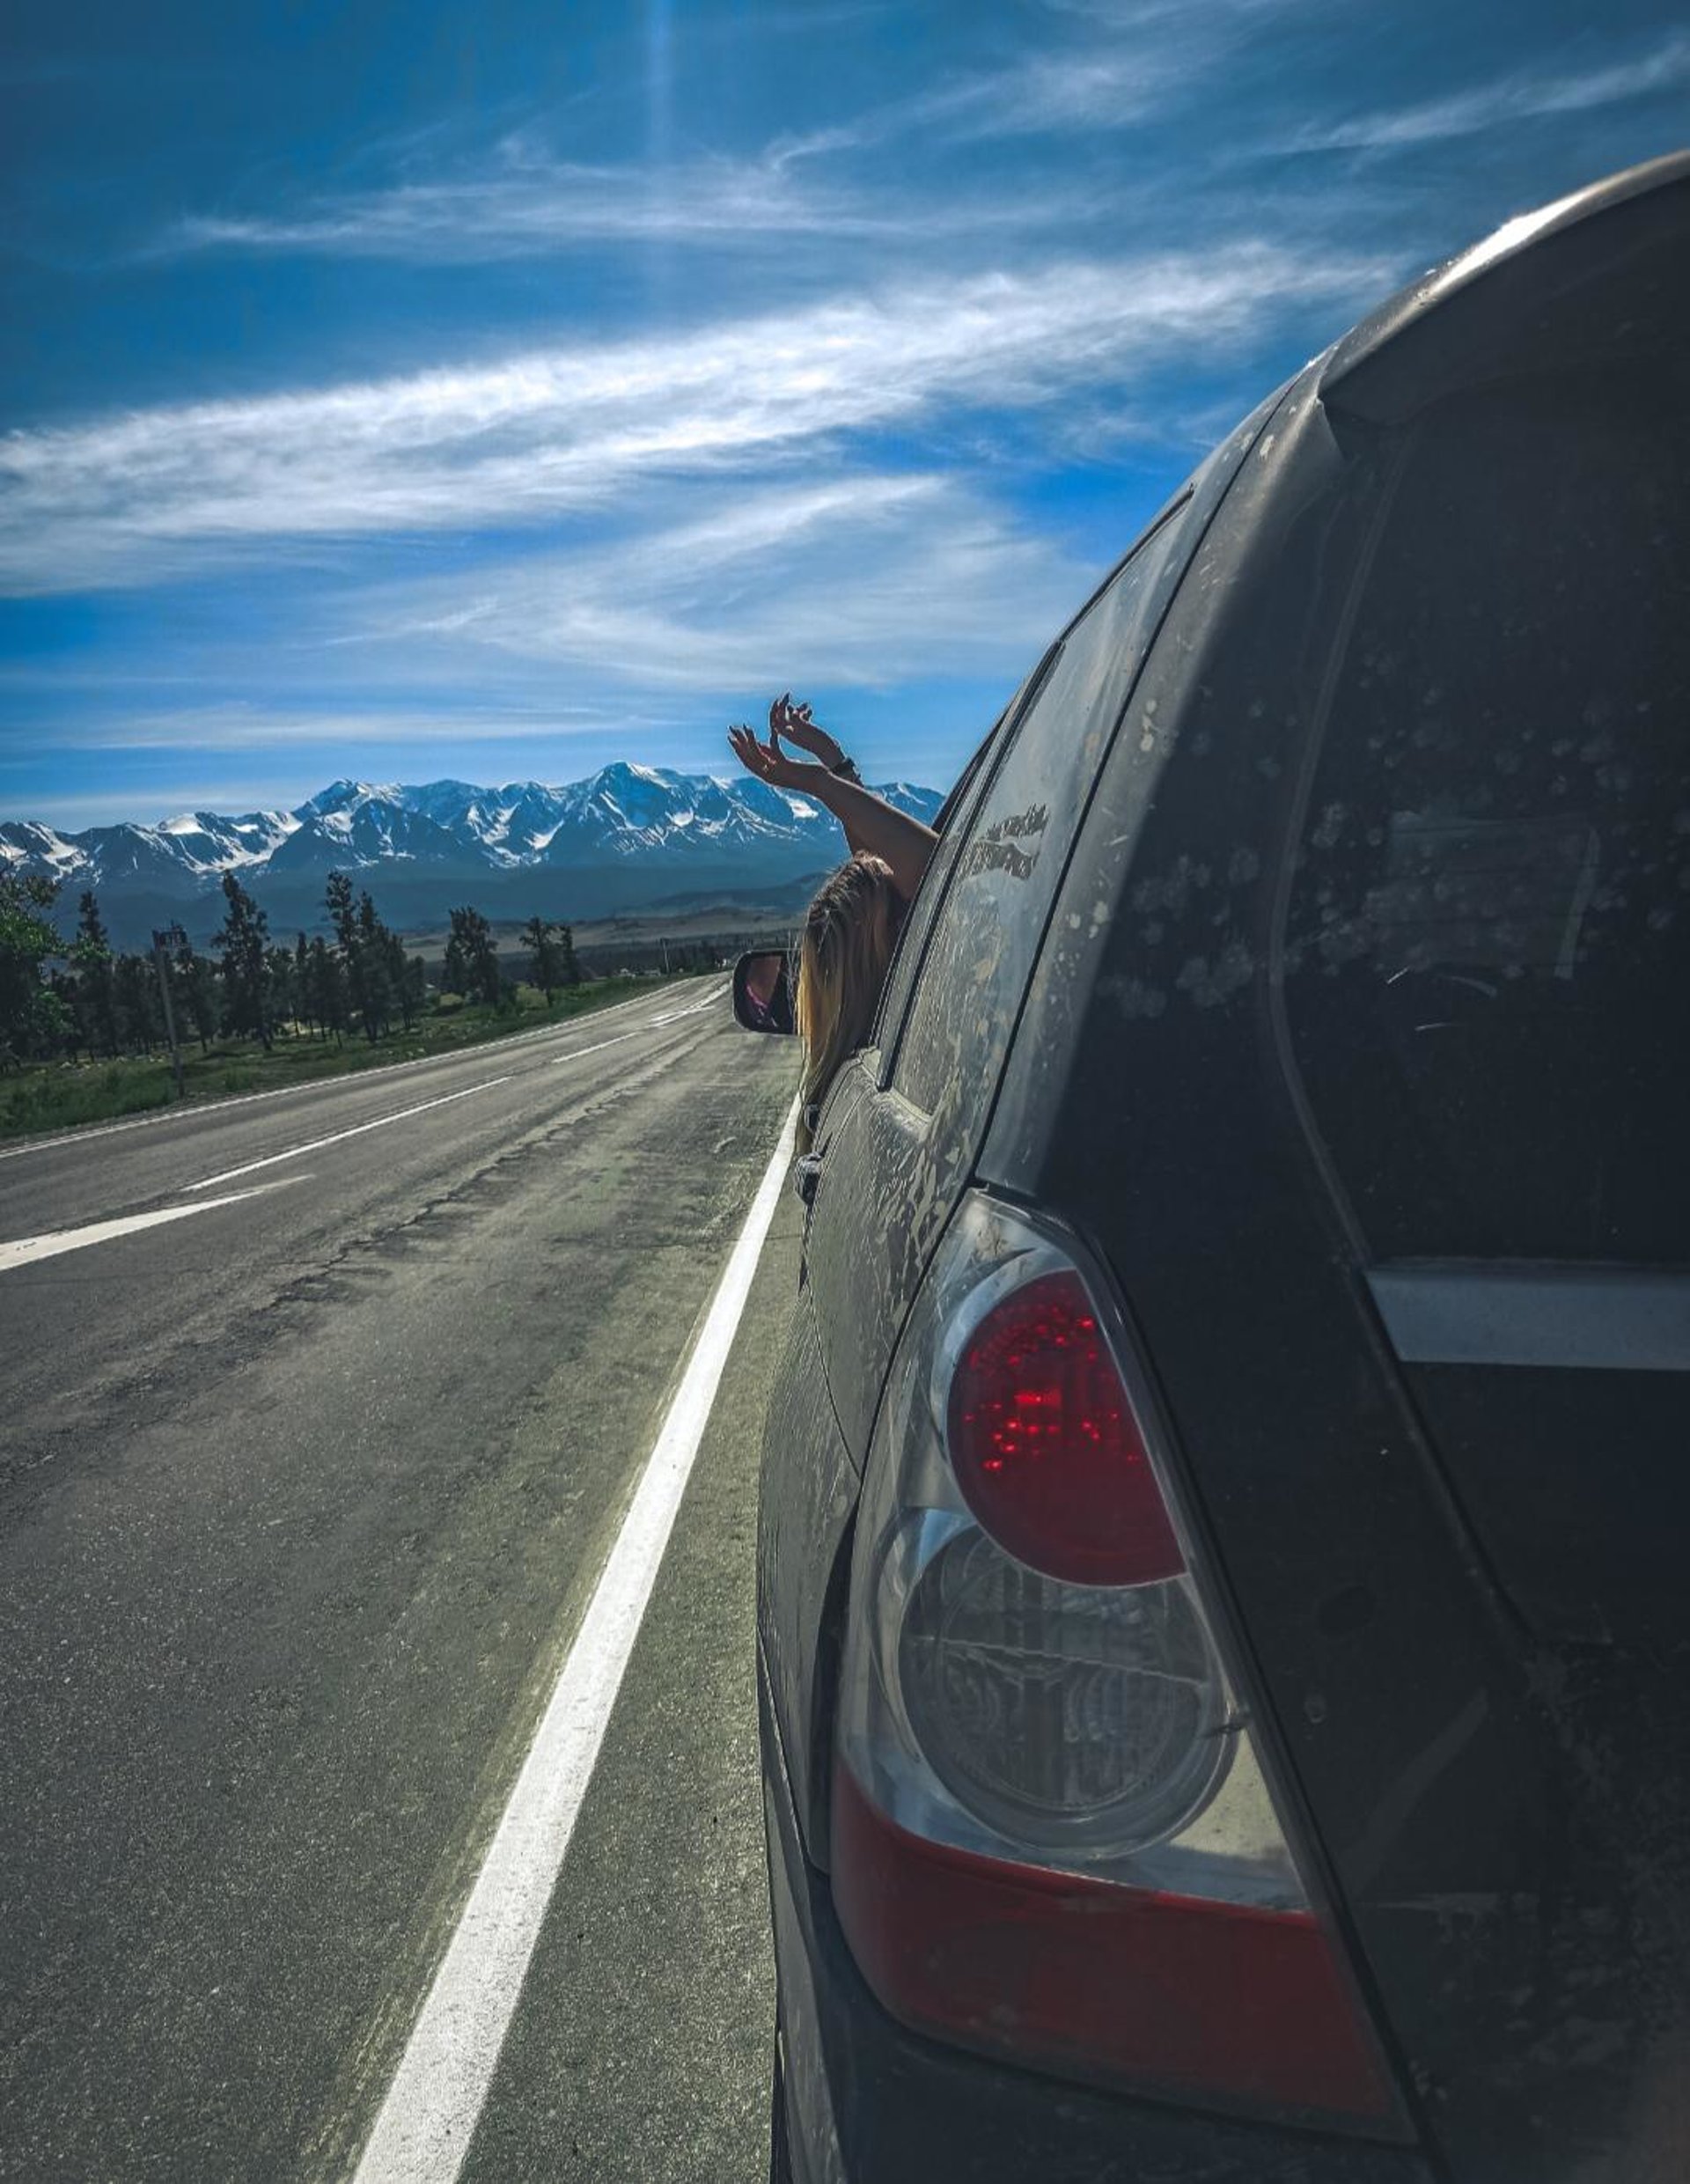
(552, 432)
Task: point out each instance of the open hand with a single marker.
(793, 723)
(767, 760)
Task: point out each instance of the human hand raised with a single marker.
(795, 723)
(767, 760)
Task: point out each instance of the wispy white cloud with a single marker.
(550, 432)
(523, 200)
(1094, 88)
(1124, 60)
(1523, 96)
(234, 725)
(861, 581)
(528, 203)
(1140, 14)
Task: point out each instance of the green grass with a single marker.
(56, 1096)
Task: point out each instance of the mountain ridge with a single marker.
(612, 841)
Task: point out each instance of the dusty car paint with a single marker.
(1496, 1800)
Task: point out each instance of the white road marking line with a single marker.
(429, 2117)
(29, 1248)
(674, 1015)
(294, 1152)
(79, 1134)
(575, 1053)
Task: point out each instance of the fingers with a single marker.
(749, 752)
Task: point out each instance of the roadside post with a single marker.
(169, 937)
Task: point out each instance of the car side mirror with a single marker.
(762, 991)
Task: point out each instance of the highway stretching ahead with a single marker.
(320, 1415)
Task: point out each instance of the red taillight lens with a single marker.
(1209, 2000)
(1045, 1448)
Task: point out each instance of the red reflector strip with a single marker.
(1172, 1994)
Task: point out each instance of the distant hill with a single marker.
(628, 837)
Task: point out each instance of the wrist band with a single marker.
(847, 771)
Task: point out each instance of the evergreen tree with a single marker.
(196, 982)
(545, 962)
(472, 960)
(343, 916)
(407, 979)
(455, 969)
(374, 959)
(31, 1015)
(572, 972)
(284, 997)
(413, 987)
(96, 981)
(329, 989)
(242, 943)
(64, 995)
(136, 994)
(302, 982)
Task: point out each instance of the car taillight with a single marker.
(1052, 1837)
(1045, 1446)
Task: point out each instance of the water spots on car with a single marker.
(1242, 867)
(1133, 997)
(1329, 829)
(1212, 983)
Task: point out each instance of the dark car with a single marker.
(1224, 1557)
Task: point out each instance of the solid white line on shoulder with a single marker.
(195, 1110)
(29, 1248)
(429, 2117)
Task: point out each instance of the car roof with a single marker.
(1593, 275)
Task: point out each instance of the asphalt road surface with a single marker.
(304, 1496)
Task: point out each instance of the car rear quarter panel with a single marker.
(806, 1502)
(1449, 1769)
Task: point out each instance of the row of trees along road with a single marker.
(61, 999)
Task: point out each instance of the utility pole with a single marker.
(170, 936)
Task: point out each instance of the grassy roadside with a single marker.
(61, 1095)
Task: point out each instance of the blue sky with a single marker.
(496, 392)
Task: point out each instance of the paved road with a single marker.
(302, 1497)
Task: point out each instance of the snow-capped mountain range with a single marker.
(627, 836)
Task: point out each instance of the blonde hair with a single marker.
(850, 932)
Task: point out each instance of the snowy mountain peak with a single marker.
(628, 833)
(341, 795)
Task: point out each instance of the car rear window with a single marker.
(952, 825)
(1013, 842)
(1486, 974)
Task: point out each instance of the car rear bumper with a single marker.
(868, 2102)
